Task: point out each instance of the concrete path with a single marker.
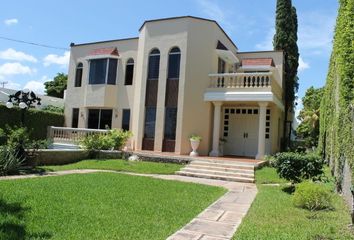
(217, 222)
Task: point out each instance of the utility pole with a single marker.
(3, 84)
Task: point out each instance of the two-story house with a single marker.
(181, 76)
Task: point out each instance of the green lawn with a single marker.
(99, 206)
(119, 165)
(268, 175)
(272, 216)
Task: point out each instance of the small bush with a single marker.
(114, 139)
(295, 166)
(10, 162)
(312, 196)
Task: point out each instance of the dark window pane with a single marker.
(106, 119)
(75, 118)
(238, 111)
(173, 65)
(226, 116)
(249, 111)
(129, 71)
(268, 111)
(227, 110)
(112, 71)
(93, 118)
(78, 75)
(226, 122)
(170, 123)
(98, 69)
(243, 111)
(126, 119)
(150, 120)
(267, 118)
(154, 67)
(255, 111)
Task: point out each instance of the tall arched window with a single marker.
(129, 72)
(171, 100)
(78, 75)
(151, 99)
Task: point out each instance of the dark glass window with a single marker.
(75, 118)
(93, 118)
(129, 72)
(150, 120)
(98, 68)
(174, 59)
(154, 65)
(98, 71)
(126, 119)
(78, 75)
(221, 65)
(99, 118)
(170, 123)
(106, 119)
(112, 71)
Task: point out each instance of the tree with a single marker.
(310, 116)
(56, 87)
(285, 39)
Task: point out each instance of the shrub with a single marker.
(10, 162)
(35, 120)
(114, 139)
(295, 166)
(312, 196)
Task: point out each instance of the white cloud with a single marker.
(37, 86)
(56, 59)
(11, 21)
(303, 65)
(316, 31)
(267, 43)
(15, 69)
(214, 11)
(12, 54)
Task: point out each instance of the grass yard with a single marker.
(272, 216)
(119, 165)
(268, 175)
(99, 206)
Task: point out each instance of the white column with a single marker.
(216, 129)
(261, 129)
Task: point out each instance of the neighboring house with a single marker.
(45, 100)
(181, 76)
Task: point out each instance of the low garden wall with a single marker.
(66, 156)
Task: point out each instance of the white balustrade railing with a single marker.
(241, 80)
(70, 135)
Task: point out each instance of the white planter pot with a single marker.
(194, 145)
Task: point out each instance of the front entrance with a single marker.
(241, 131)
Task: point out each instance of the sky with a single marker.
(249, 23)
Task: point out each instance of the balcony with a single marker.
(254, 86)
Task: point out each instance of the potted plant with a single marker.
(222, 141)
(195, 141)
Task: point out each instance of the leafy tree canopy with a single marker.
(56, 87)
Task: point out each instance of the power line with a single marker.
(32, 43)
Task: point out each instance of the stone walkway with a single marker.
(217, 222)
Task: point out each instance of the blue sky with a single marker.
(249, 23)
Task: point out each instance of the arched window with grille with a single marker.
(171, 99)
(151, 99)
(78, 75)
(129, 72)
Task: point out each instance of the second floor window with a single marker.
(174, 58)
(129, 72)
(103, 71)
(154, 65)
(78, 75)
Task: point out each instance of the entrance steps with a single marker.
(219, 169)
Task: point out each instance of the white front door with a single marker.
(241, 128)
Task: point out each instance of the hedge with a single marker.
(336, 122)
(36, 121)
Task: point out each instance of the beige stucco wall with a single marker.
(116, 97)
(197, 40)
